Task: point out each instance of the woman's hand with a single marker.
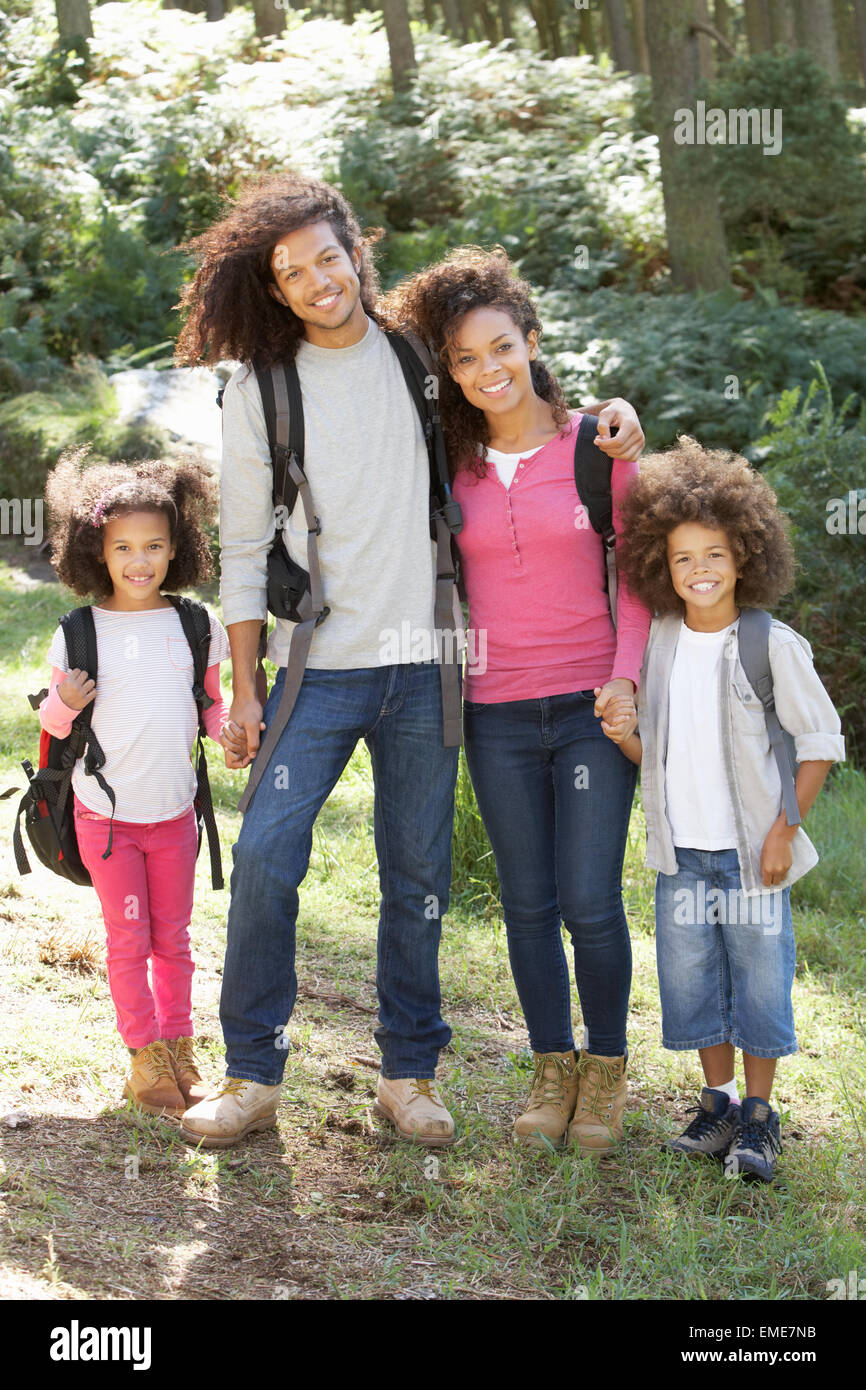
(77, 690)
(628, 443)
(234, 742)
(615, 706)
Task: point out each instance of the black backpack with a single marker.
(592, 469)
(47, 806)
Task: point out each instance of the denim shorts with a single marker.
(725, 960)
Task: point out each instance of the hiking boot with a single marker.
(186, 1072)
(415, 1107)
(758, 1142)
(235, 1109)
(151, 1083)
(716, 1122)
(597, 1124)
(551, 1100)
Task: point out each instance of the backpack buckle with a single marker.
(323, 615)
(315, 530)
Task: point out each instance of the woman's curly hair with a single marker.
(433, 304)
(720, 491)
(230, 311)
(81, 500)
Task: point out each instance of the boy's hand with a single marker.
(246, 716)
(77, 690)
(776, 853)
(614, 705)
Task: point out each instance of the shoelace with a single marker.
(423, 1086)
(756, 1134)
(156, 1062)
(548, 1090)
(184, 1053)
(704, 1122)
(232, 1086)
(602, 1076)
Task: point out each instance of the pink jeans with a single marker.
(145, 889)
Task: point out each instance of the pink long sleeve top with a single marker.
(535, 580)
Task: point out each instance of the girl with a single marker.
(704, 538)
(121, 534)
(554, 794)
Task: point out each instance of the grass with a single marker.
(101, 1202)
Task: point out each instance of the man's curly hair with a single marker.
(720, 491)
(230, 311)
(434, 302)
(82, 499)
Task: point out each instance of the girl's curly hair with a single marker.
(230, 311)
(81, 500)
(720, 491)
(433, 304)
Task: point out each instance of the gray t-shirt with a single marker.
(367, 465)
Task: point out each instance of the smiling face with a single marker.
(490, 361)
(318, 280)
(704, 575)
(137, 549)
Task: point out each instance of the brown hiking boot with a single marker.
(151, 1083)
(186, 1072)
(551, 1100)
(416, 1109)
(597, 1124)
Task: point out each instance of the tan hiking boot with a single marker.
(551, 1100)
(235, 1109)
(597, 1124)
(415, 1107)
(151, 1082)
(186, 1072)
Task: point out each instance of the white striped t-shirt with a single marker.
(144, 714)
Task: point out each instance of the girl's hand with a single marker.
(234, 742)
(77, 690)
(776, 853)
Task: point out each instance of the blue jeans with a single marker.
(725, 961)
(555, 796)
(397, 710)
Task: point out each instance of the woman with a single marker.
(555, 794)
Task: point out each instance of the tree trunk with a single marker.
(429, 13)
(269, 20)
(73, 22)
(782, 26)
(505, 18)
(586, 32)
(400, 45)
(819, 35)
(620, 36)
(488, 22)
(638, 28)
(539, 17)
(860, 22)
(757, 26)
(349, 12)
(846, 40)
(706, 45)
(695, 232)
(451, 15)
(467, 19)
(551, 8)
(215, 10)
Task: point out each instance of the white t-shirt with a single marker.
(144, 714)
(506, 464)
(699, 806)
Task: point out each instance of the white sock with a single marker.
(730, 1089)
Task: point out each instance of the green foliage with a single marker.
(474, 881)
(796, 220)
(813, 453)
(674, 357)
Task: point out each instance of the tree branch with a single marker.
(700, 27)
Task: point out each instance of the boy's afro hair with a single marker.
(720, 491)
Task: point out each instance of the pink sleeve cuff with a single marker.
(55, 716)
(217, 714)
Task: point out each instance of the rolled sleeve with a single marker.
(804, 708)
(246, 502)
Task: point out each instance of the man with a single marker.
(287, 275)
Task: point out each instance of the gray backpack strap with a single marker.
(753, 639)
(443, 621)
(311, 607)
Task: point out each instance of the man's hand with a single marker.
(77, 690)
(776, 854)
(614, 705)
(246, 717)
(234, 743)
(629, 441)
